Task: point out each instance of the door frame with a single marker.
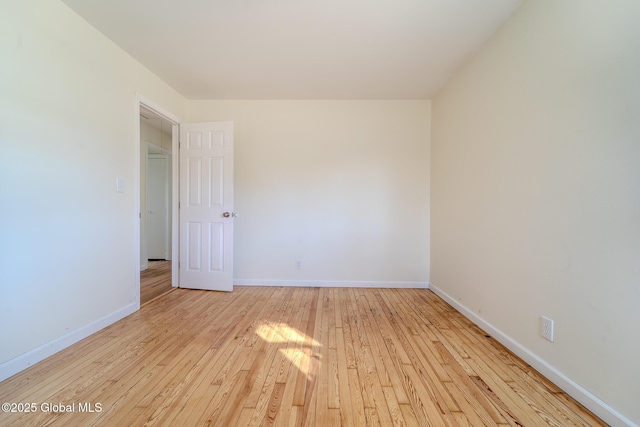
(142, 101)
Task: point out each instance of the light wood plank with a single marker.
(292, 357)
(155, 280)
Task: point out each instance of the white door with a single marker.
(206, 206)
(157, 207)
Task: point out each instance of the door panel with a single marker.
(206, 193)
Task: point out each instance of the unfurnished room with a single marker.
(306, 213)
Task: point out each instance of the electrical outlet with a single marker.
(546, 328)
(298, 264)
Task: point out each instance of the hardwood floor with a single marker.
(291, 357)
(155, 280)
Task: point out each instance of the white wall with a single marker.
(151, 134)
(146, 133)
(341, 185)
(67, 130)
(536, 191)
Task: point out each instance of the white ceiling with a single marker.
(299, 49)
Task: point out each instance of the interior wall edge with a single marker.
(575, 390)
(331, 284)
(38, 354)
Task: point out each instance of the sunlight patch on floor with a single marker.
(302, 360)
(283, 333)
(297, 346)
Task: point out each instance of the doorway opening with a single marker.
(158, 253)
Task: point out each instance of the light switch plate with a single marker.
(120, 185)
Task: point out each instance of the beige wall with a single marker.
(536, 190)
(68, 124)
(341, 185)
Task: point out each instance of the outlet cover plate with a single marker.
(546, 328)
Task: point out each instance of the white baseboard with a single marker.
(22, 362)
(581, 394)
(330, 284)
